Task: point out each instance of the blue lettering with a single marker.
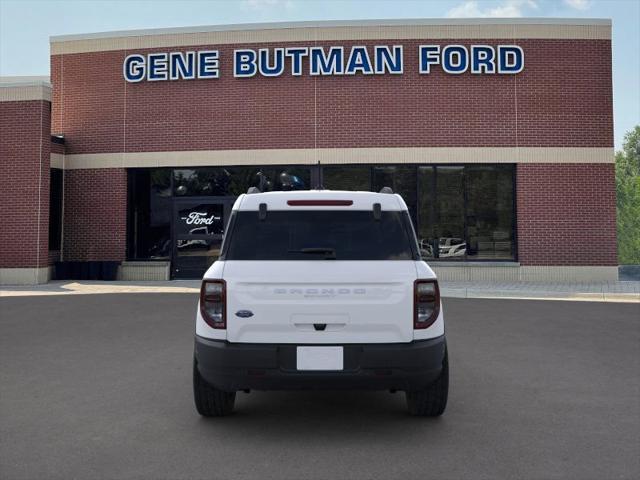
(133, 68)
(385, 61)
(455, 59)
(208, 64)
(271, 62)
(157, 67)
(244, 63)
(277, 68)
(483, 59)
(510, 59)
(429, 55)
(359, 61)
(296, 55)
(331, 64)
(182, 65)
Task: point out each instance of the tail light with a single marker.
(213, 303)
(426, 303)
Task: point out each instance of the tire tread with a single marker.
(211, 402)
(432, 401)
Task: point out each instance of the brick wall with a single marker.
(57, 148)
(24, 171)
(95, 214)
(562, 98)
(566, 214)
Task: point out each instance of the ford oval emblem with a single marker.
(244, 313)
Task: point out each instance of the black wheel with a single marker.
(432, 401)
(211, 402)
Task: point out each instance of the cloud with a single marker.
(508, 8)
(578, 4)
(266, 4)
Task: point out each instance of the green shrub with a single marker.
(628, 198)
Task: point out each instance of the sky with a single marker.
(25, 26)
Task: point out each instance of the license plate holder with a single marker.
(320, 358)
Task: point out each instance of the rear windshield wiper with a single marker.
(330, 253)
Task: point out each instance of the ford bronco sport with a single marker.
(320, 289)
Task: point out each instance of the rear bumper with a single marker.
(396, 366)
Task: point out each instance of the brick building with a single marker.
(497, 133)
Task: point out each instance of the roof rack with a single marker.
(386, 190)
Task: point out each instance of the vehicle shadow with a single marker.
(338, 416)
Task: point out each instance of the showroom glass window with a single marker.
(152, 192)
(149, 214)
(349, 177)
(234, 181)
(402, 179)
(490, 212)
(460, 212)
(441, 219)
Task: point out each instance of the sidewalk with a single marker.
(596, 291)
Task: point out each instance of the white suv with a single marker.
(320, 289)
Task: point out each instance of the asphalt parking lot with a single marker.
(99, 386)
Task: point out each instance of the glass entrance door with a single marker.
(198, 229)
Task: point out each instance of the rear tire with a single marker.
(211, 402)
(432, 401)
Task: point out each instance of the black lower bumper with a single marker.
(391, 366)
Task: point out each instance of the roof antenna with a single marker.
(319, 186)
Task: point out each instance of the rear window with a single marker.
(320, 235)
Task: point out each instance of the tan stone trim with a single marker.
(342, 156)
(144, 271)
(335, 31)
(25, 79)
(57, 160)
(24, 276)
(568, 273)
(22, 93)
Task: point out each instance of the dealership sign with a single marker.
(325, 61)
(200, 218)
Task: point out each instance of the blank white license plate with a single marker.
(320, 358)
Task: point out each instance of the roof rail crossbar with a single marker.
(386, 190)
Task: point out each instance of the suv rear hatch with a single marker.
(320, 276)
